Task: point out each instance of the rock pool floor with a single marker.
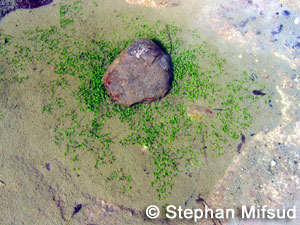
(38, 185)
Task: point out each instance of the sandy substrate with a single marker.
(38, 185)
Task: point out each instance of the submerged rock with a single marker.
(11, 5)
(141, 73)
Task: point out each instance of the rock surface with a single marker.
(11, 5)
(141, 73)
(151, 3)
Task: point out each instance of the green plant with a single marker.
(120, 176)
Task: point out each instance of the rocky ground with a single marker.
(267, 170)
(257, 36)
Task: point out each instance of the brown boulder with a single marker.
(141, 73)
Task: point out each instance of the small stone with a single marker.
(296, 21)
(253, 77)
(277, 29)
(286, 13)
(141, 73)
(273, 163)
(47, 165)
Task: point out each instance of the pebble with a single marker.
(47, 165)
(240, 56)
(296, 21)
(277, 29)
(253, 77)
(273, 163)
(286, 13)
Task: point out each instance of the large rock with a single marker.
(141, 73)
(10, 5)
